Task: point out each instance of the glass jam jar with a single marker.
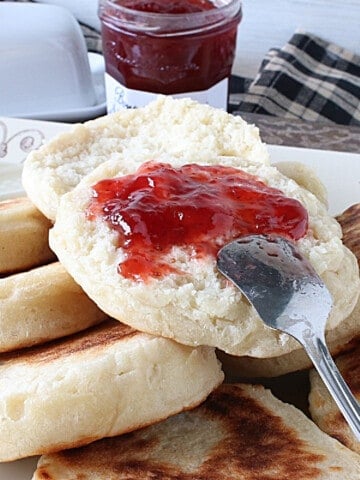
(171, 47)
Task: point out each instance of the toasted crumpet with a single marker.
(103, 382)
(324, 410)
(240, 432)
(350, 224)
(322, 407)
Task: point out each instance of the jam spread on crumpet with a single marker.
(196, 207)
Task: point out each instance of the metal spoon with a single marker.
(289, 296)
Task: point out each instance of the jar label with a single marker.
(119, 97)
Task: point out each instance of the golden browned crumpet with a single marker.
(43, 304)
(350, 224)
(103, 382)
(240, 432)
(23, 236)
(339, 340)
(197, 306)
(166, 126)
(322, 407)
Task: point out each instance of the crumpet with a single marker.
(166, 126)
(23, 236)
(103, 382)
(240, 432)
(43, 304)
(196, 306)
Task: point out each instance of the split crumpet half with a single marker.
(103, 382)
(181, 127)
(240, 432)
(192, 302)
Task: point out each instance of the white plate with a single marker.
(97, 68)
(340, 173)
(18, 137)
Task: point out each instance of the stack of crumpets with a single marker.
(126, 380)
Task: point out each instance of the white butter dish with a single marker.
(44, 62)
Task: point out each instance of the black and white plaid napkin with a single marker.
(309, 78)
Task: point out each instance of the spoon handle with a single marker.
(318, 352)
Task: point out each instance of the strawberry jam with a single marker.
(199, 208)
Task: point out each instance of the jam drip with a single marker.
(199, 208)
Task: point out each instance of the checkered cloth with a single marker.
(309, 78)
